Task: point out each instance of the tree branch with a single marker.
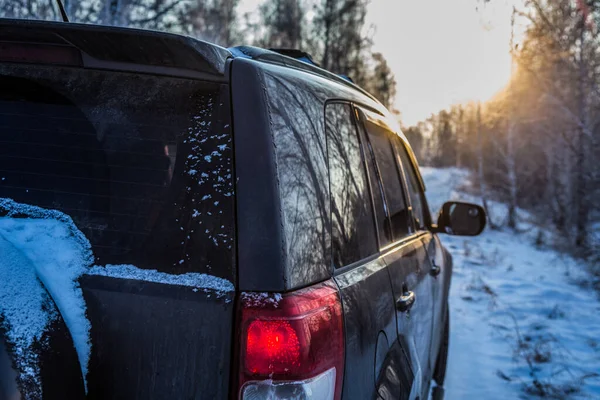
(158, 14)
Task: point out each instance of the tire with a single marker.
(439, 374)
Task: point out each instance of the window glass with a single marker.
(414, 189)
(141, 163)
(381, 218)
(353, 230)
(298, 128)
(394, 195)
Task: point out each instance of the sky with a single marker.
(442, 52)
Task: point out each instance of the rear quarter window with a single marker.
(141, 163)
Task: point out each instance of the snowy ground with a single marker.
(520, 325)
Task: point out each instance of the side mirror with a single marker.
(461, 219)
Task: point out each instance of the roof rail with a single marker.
(277, 57)
(298, 55)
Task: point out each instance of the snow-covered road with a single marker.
(520, 323)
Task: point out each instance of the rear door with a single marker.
(142, 164)
(404, 253)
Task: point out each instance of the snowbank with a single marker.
(42, 252)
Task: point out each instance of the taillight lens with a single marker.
(271, 346)
(291, 343)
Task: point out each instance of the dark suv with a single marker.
(286, 192)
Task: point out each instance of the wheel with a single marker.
(439, 373)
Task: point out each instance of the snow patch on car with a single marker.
(260, 299)
(42, 253)
(204, 282)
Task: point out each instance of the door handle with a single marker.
(435, 270)
(406, 301)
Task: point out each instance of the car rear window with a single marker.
(142, 163)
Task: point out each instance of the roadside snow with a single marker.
(520, 326)
(40, 255)
(196, 281)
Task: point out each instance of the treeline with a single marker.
(334, 32)
(536, 145)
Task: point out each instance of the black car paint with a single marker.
(385, 348)
(409, 271)
(441, 258)
(157, 341)
(258, 215)
(365, 317)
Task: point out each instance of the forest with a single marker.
(533, 146)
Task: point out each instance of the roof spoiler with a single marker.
(103, 47)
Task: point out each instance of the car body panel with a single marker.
(260, 240)
(368, 311)
(441, 258)
(409, 269)
(157, 341)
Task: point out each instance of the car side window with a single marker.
(397, 207)
(414, 188)
(352, 228)
(381, 217)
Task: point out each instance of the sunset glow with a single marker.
(443, 52)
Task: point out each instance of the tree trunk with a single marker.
(582, 209)
(325, 62)
(510, 139)
(512, 176)
(482, 185)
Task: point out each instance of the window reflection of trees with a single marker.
(299, 139)
(394, 196)
(353, 236)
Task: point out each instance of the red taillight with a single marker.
(292, 337)
(271, 346)
(39, 53)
